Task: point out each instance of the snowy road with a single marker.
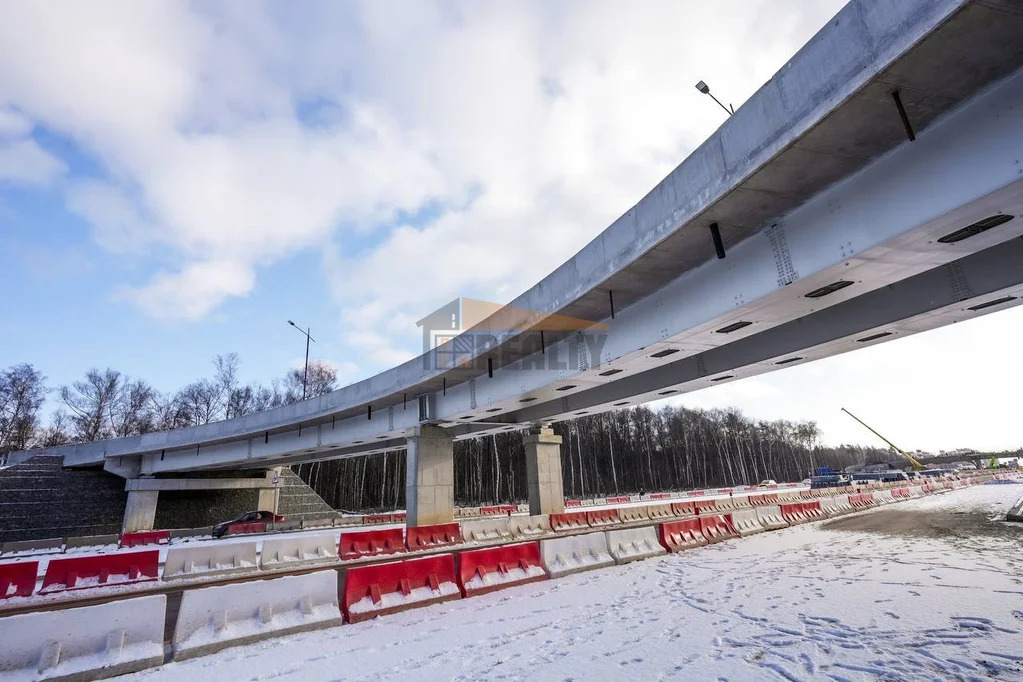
(804, 603)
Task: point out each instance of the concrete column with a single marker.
(430, 477)
(140, 511)
(543, 471)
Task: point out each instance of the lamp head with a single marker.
(703, 87)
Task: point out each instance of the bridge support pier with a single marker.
(140, 511)
(543, 471)
(430, 477)
(144, 492)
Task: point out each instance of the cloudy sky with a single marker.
(179, 179)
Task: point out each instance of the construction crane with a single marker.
(917, 466)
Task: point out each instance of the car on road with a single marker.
(248, 517)
(769, 481)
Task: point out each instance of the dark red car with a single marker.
(247, 522)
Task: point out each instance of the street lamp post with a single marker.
(705, 89)
(305, 373)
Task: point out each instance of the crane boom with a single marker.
(912, 460)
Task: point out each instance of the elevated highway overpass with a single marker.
(870, 190)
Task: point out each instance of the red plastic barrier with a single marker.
(813, 511)
(793, 513)
(771, 498)
(602, 517)
(568, 521)
(660, 496)
(695, 493)
(717, 528)
(498, 509)
(438, 535)
(683, 508)
(355, 544)
(494, 568)
(757, 500)
(145, 537)
(246, 527)
(724, 490)
(18, 579)
(676, 536)
(705, 506)
(621, 499)
(378, 589)
(573, 503)
(79, 573)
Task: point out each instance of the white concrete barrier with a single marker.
(916, 491)
(86, 643)
(490, 529)
(633, 514)
(562, 556)
(883, 497)
(522, 508)
(746, 522)
(529, 527)
(741, 502)
(633, 544)
(209, 558)
(467, 511)
(657, 512)
(770, 517)
(835, 505)
(285, 552)
(213, 618)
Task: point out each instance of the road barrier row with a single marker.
(683, 524)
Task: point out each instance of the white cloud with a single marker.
(24, 161)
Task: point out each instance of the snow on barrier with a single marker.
(210, 558)
(379, 589)
(633, 544)
(526, 527)
(356, 544)
(657, 512)
(687, 508)
(487, 530)
(716, 528)
(78, 573)
(145, 537)
(85, 643)
(746, 522)
(494, 568)
(437, 535)
(213, 618)
(568, 521)
(602, 518)
(288, 551)
(634, 514)
(562, 556)
(770, 517)
(676, 536)
(18, 579)
(792, 512)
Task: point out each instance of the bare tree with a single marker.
(21, 396)
(90, 402)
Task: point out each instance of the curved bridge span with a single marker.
(873, 188)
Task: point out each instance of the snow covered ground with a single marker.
(941, 601)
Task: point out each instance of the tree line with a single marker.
(109, 404)
(620, 452)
